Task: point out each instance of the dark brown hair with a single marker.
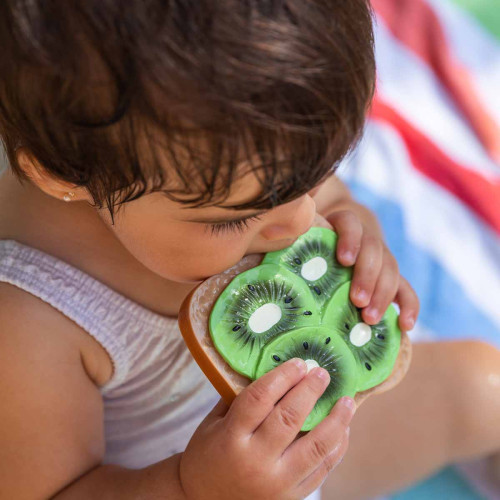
(100, 91)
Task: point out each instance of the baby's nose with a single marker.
(291, 220)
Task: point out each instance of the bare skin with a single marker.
(96, 249)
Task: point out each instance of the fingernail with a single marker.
(348, 403)
(322, 374)
(410, 322)
(361, 295)
(299, 363)
(373, 313)
(348, 257)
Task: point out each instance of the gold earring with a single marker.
(68, 196)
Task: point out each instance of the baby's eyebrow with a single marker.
(221, 219)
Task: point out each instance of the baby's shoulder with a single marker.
(50, 416)
(30, 325)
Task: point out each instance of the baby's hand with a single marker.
(250, 450)
(376, 281)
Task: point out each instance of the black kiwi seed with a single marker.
(307, 313)
(368, 366)
(306, 345)
(317, 290)
(251, 288)
(327, 340)
(297, 261)
(380, 336)
(236, 328)
(288, 300)
(346, 325)
(276, 358)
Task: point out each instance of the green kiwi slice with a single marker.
(255, 307)
(375, 347)
(312, 257)
(318, 347)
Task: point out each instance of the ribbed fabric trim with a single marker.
(88, 302)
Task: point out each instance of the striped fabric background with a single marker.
(429, 166)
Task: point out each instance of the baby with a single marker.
(151, 145)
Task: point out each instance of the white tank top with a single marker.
(157, 395)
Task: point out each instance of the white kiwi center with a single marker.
(360, 334)
(313, 269)
(311, 363)
(264, 317)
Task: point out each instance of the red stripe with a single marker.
(415, 24)
(480, 194)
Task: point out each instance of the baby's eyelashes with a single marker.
(235, 226)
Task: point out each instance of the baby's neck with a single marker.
(74, 233)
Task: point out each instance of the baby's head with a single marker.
(195, 129)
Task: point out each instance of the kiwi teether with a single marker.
(296, 304)
(312, 258)
(256, 306)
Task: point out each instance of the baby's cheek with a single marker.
(188, 257)
(181, 252)
(211, 255)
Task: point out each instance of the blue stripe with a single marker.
(445, 308)
(446, 484)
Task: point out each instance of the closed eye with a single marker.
(236, 226)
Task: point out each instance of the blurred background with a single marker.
(429, 167)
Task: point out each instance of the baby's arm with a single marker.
(111, 482)
(51, 414)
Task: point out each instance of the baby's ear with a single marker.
(49, 184)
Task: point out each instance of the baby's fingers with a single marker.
(309, 452)
(257, 400)
(408, 304)
(385, 290)
(349, 230)
(366, 270)
(317, 478)
(282, 425)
